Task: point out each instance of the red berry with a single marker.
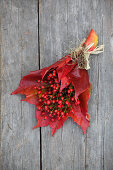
(78, 102)
(50, 75)
(48, 78)
(57, 88)
(51, 85)
(43, 95)
(45, 117)
(60, 102)
(50, 114)
(71, 90)
(54, 74)
(43, 87)
(72, 99)
(50, 82)
(48, 102)
(38, 81)
(59, 106)
(62, 113)
(35, 87)
(39, 108)
(39, 92)
(49, 92)
(72, 111)
(46, 107)
(52, 119)
(43, 113)
(40, 100)
(66, 102)
(62, 98)
(56, 81)
(68, 91)
(54, 90)
(53, 101)
(67, 114)
(54, 114)
(59, 118)
(45, 102)
(56, 111)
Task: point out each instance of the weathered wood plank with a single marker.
(62, 22)
(59, 30)
(20, 144)
(0, 87)
(98, 148)
(107, 84)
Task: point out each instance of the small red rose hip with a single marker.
(48, 102)
(46, 107)
(67, 102)
(68, 91)
(45, 117)
(60, 102)
(71, 90)
(43, 113)
(62, 113)
(53, 101)
(38, 81)
(59, 118)
(40, 100)
(39, 108)
(62, 98)
(52, 119)
(50, 114)
(67, 114)
(43, 87)
(50, 75)
(72, 99)
(78, 102)
(39, 92)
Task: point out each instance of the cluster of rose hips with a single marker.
(54, 104)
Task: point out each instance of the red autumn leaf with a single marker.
(80, 115)
(65, 70)
(79, 79)
(41, 121)
(92, 38)
(79, 118)
(59, 91)
(28, 82)
(84, 97)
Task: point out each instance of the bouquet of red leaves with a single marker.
(62, 90)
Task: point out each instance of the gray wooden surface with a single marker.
(34, 34)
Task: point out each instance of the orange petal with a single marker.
(92, 38)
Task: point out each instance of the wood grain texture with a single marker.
(61, 25)
(20, 145)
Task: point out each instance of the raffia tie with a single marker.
(81, 54)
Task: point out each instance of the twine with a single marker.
(81, 54)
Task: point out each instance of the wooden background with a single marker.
(35, 34)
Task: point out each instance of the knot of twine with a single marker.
(81, 54)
